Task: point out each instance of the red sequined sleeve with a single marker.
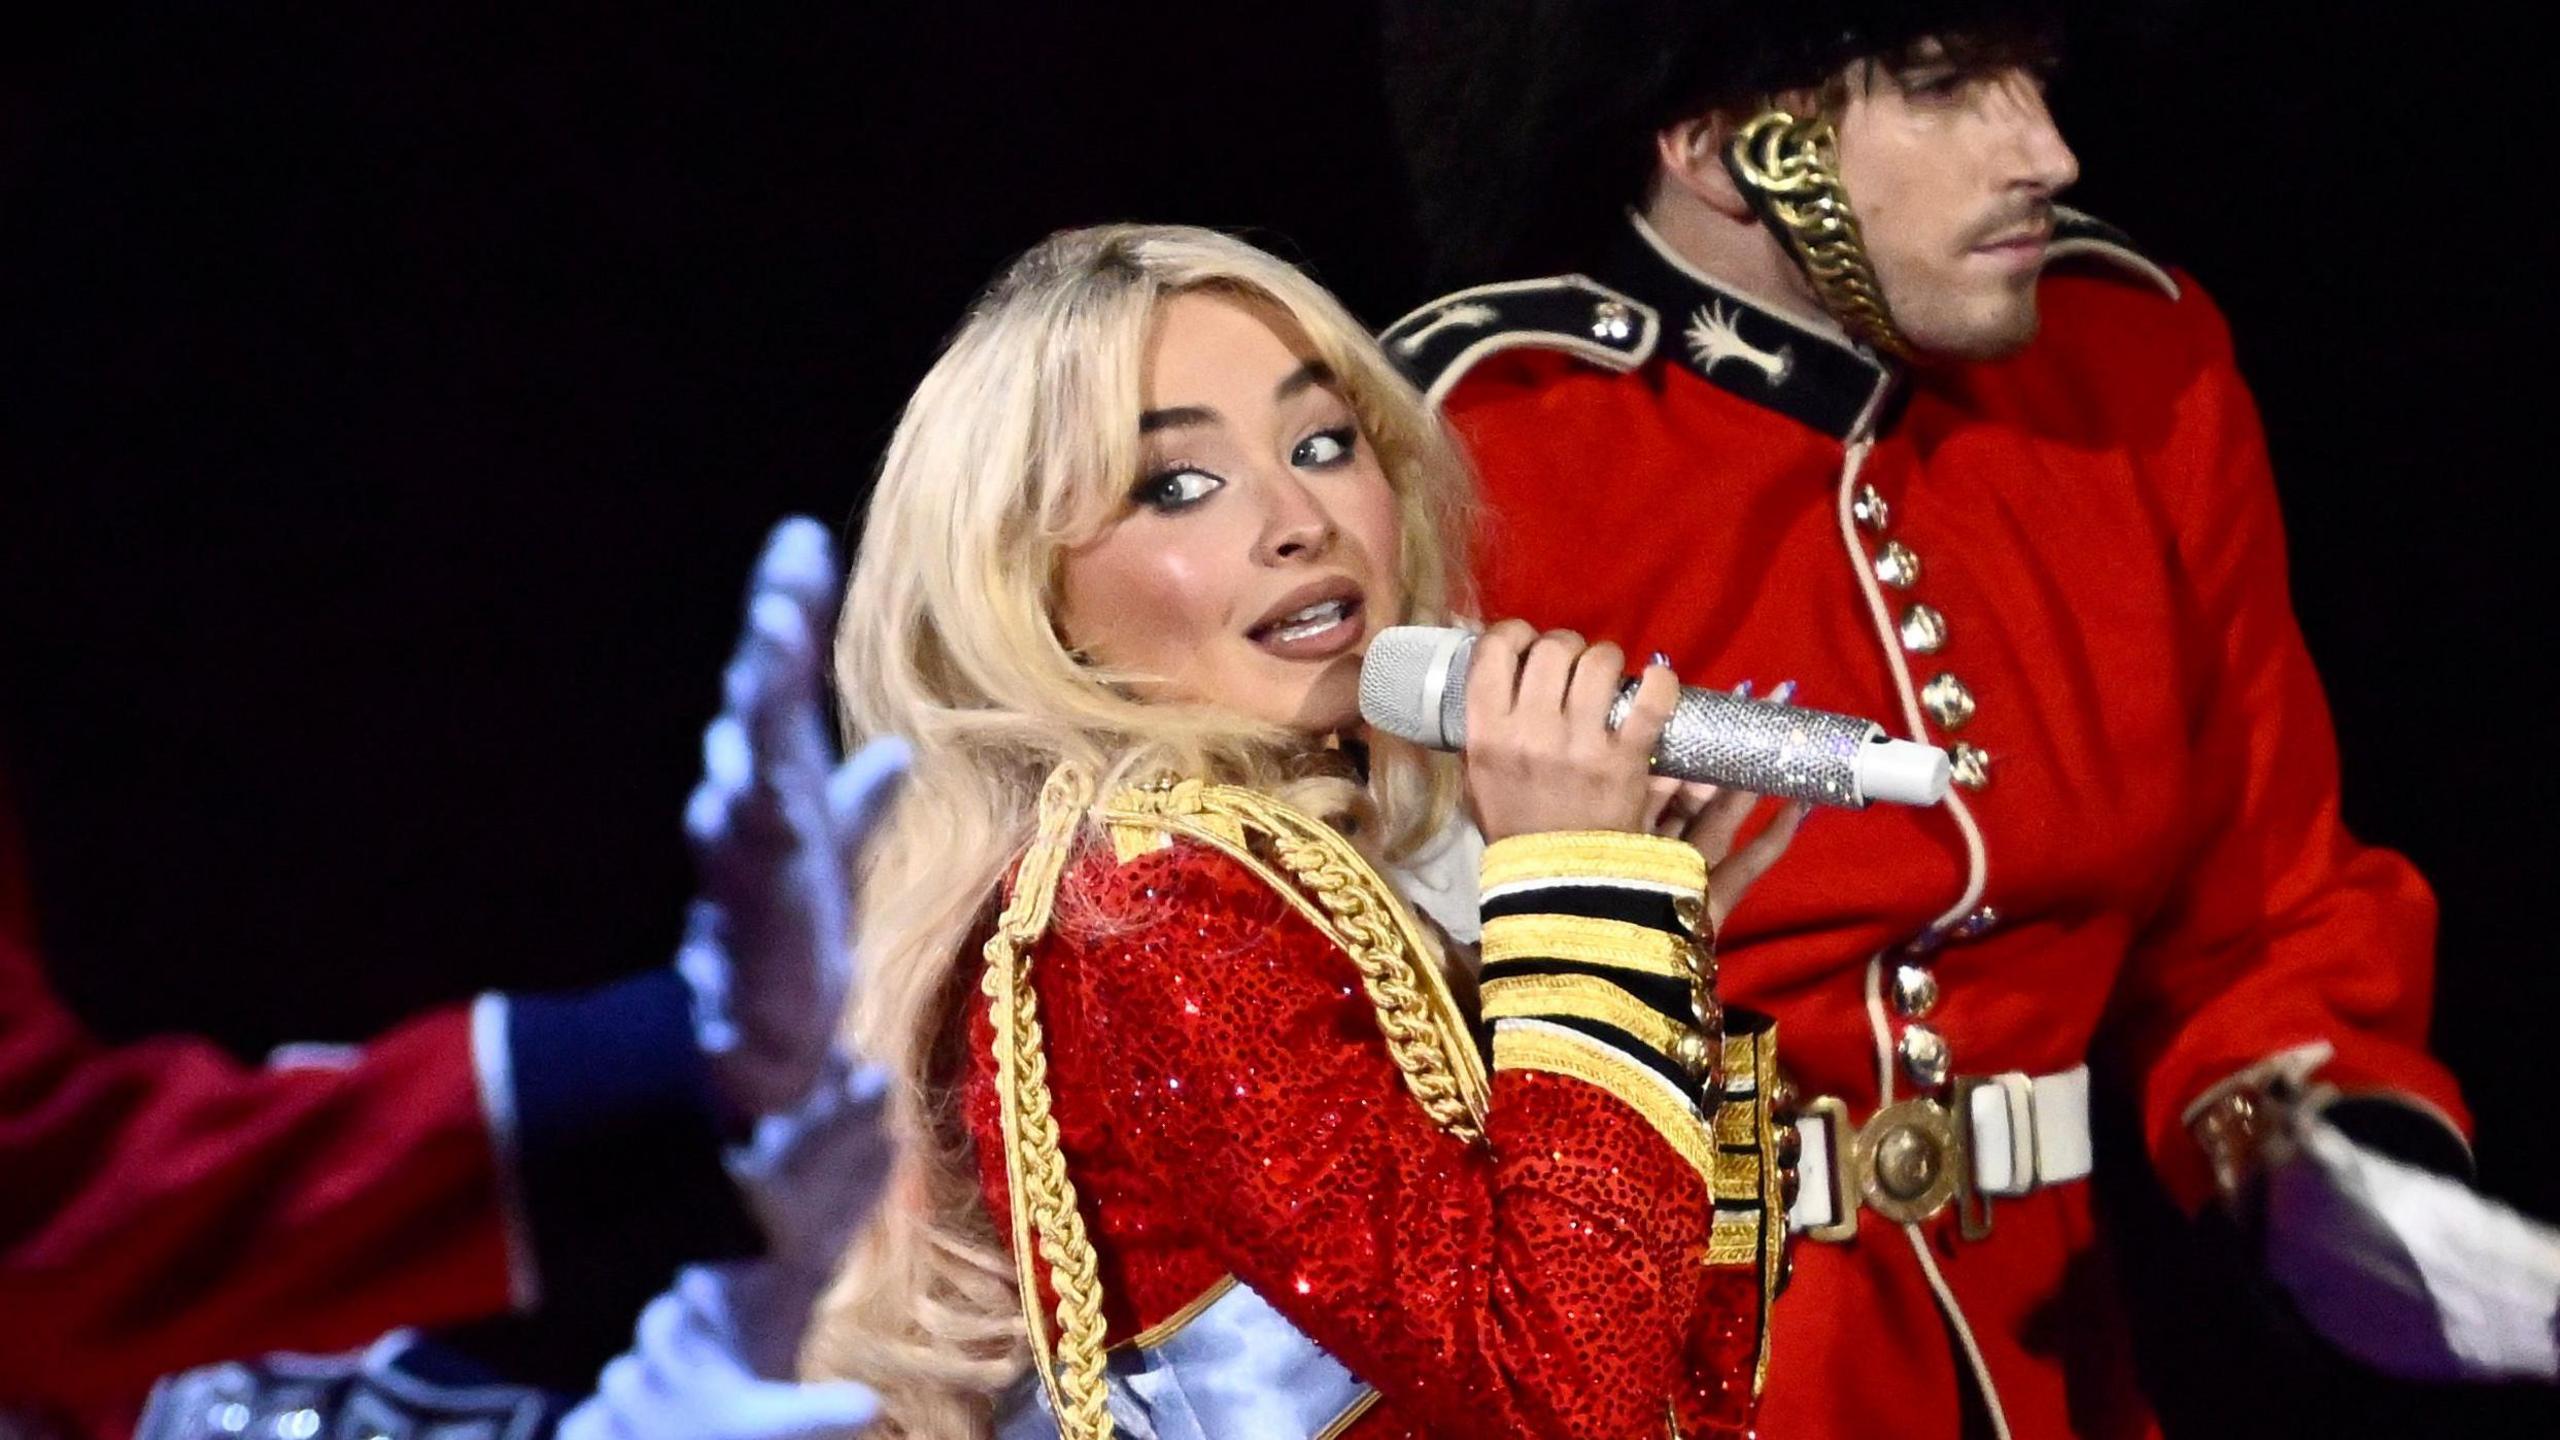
(1546, 1282)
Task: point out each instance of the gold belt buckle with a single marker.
(1907, 1163)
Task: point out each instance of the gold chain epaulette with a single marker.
(1327, 881)
(1790, 169)
(1046, 1222)
(1353, 907)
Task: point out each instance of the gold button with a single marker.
(1924, 630)
(1693, 1053)
(1971, 764)
(1897, 565)
(1947, 701)
(1924, 1056)
(1867, 507)
(1612, 321)
(1783, 1095)
(1689, 910)
(1915, 991)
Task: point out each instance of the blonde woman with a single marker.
(1197, 1134)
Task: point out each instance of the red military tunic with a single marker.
(1228, 1105)
(2070, 561)
(163, 1205)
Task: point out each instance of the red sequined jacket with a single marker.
(1230, 1106)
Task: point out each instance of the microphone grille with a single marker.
(1408, 679)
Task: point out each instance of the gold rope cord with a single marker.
(1352, 907)
(1790, 169)
(1426, 1034)
(1043, 1199)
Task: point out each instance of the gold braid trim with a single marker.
(1618, 944)
(1587, 997)
(1735, 1239)
(1763, 1062)
(1352, 906)
(1790, 169)
(1046, 1222)
(1524, 1045)
(1566, 857)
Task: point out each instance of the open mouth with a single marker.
(1314, 629)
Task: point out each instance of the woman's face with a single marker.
(1257, 549)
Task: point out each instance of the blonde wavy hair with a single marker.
(1021, 444)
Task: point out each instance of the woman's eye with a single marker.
(1325, 448)
(1176, 488)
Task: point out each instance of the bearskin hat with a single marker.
(1527, 125)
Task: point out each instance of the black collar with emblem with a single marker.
(1653, 301)
(1820, 380)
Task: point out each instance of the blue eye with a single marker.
(1177, 487)
(1326, 448)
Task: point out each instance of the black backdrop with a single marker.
(389, 403)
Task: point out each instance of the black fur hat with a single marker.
(1527, 124)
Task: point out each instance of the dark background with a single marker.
(390, 403)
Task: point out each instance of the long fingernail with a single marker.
(1785, 692)
(1660, 661)
(1742, 691)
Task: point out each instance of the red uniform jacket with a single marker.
(2077, 568)
(1229, 1107)
(162, 1205)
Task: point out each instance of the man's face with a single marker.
(1952, 173)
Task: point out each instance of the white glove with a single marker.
(687, 1378)
(775, 826)
(714, 1355)
(2416, 1275)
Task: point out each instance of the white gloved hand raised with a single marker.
(775, 826)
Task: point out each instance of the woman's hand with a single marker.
(1709, 817)
(1540, 754)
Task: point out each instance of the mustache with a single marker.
(2029, 216)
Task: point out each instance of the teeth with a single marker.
(1313, 620)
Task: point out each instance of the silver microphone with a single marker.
(1413, 684)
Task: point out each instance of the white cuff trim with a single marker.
(494, 1067)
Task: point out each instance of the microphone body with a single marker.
(1413, 684)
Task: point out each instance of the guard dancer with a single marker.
(1840, 390)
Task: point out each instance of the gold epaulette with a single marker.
(1325, 879)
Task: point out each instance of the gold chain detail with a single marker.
(1353, 907)
(1790, 169)
(1043, 1197)
(1358, 912)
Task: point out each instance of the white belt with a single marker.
(2006, 1135)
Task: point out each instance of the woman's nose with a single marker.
(1295, 525)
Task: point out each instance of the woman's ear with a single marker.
(1690, 156)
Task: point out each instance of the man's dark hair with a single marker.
(1527, 125)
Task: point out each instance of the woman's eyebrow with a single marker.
(1177, 417)
(1314, 372)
